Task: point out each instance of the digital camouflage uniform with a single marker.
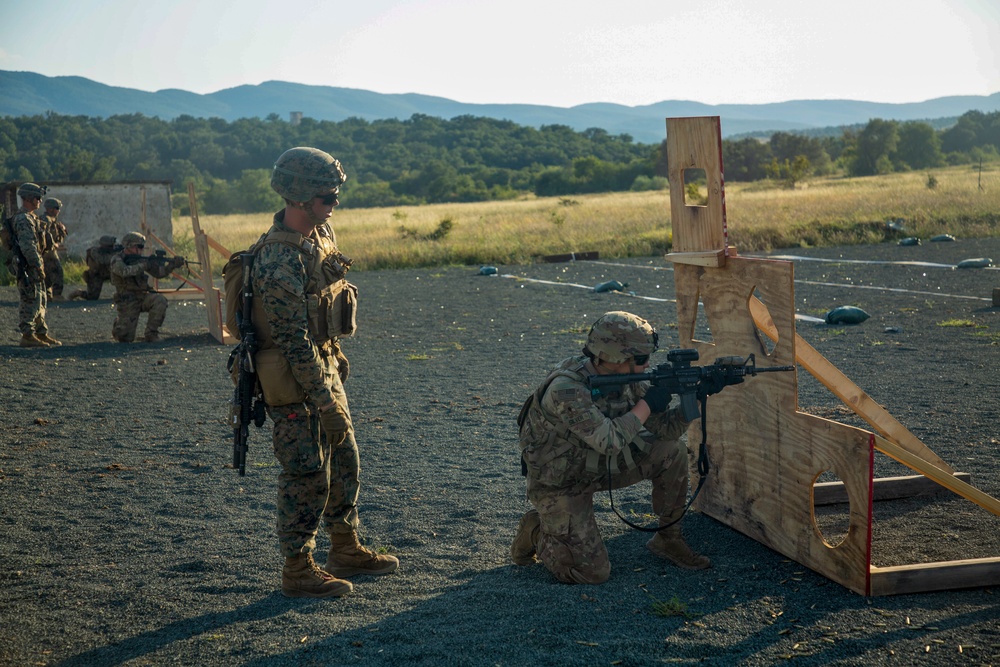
(317, 481)
(98, 269)
(54, 232)
(572, 435)
(134, 296)
(29, 234)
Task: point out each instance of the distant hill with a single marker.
(27, 93)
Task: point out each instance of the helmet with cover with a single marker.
(32, 190)
(133, 239)
(302, 173)
(52, 202)
(617, 337)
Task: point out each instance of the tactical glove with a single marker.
(178, 261)
(335, 423)
(657, 398)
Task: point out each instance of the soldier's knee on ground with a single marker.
(570, 567)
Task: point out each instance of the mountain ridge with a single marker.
(29, 93)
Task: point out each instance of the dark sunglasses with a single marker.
(328, 199)
(140, 246)
(640, 359)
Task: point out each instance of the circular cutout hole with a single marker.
(831, 509)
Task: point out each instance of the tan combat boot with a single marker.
(78, 294)
(302, 578)
(522, 550)
(669, 544)
(47, 339)
(27, 340)
(348, 557)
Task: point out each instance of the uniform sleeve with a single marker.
(120, 268)
(27, 241)
(280, 282)
(570, 401)
(668, 425)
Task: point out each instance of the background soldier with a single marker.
(54, 232)
(98, 268)
(572, 436)
(133, 295)
(298, 280)
(29, 240)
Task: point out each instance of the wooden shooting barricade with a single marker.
(197, 285)
(766, 456)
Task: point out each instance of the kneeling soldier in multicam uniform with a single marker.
(133, 294)
(567, 439)
(98, 269)
(302, 306)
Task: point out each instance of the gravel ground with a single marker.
(127, 538)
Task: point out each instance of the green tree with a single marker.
(874, 144)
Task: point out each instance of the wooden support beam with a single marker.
(848, 392)
(885, 488)
(941, 576)
(713, 258)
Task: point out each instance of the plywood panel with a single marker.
(696, 143)
(765, 454)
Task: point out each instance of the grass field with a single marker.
(834, 211)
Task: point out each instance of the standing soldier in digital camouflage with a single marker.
(54, 232)
(28, 237)
(133, 294)
(98, 269)
(302, 306)
(567, 439)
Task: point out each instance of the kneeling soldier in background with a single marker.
(133, 294)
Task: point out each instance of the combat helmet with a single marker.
(302, 173)
(51, 202)
(617, 337)
(133, 239)
(31, 190)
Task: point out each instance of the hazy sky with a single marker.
(552, 52)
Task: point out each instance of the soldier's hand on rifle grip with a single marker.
(178, 261)
(657, 398)
(335, 423)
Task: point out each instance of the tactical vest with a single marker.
(555, 456)
(331, 301)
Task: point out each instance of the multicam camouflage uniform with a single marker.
(98, 269)
(573, 434)
(29, 235)
(54, 232)
(317, 480)
(134, 296)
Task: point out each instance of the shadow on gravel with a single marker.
(110, 349)
(151, 642)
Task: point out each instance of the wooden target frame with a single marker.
(766, 455)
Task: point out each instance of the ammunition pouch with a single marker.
(274, 374)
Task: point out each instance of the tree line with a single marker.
(425, 159)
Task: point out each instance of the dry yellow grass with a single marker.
(821, 212)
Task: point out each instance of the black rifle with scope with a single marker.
(688, 382)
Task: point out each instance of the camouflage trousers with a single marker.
(95, 283)
(31, 312)
(53, 273)
(317, 481)
(130, 307)
(569, 541)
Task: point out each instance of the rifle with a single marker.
(690, 383)
(158, 257)
(247, 404)
(693, 384)
(18, 263)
